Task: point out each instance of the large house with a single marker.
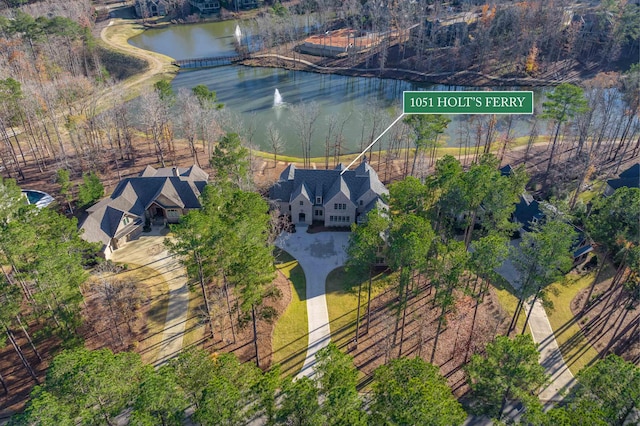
(205, 6)
(149, 8)
(156, 196)
(335, 197)
(528, 213)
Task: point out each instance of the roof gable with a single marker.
(133, 196)
(326, 183)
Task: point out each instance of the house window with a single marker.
(318, 212)
(173, 213)
(330, 218)
(318, 200)
(301, 203)
(126, 220)
(339, 206)
(361, 202)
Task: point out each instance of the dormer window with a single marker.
(301, 203)
(318, 200)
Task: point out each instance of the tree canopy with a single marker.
(606, 393)
(411, 391)
(508, 372)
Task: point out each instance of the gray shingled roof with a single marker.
(133, 196)
(326, 183)
(301, 189)
(632, 182)
(631, 172)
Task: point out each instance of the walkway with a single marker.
(318, 254)
(551, 359)
(149, 250)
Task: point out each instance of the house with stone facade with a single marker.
(335, 197)
(150, 8)
(156, 196)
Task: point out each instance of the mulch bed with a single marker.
(243, 345)
(455, 344)
(19, 382)
(611, 322)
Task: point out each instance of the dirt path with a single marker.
(116, 34)
(262, 59)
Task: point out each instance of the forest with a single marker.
(72, 123)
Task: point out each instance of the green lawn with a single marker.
(576, 351)
(291, 333)
(509, 302)
(440, 152)
(597, 187)
(342, 303)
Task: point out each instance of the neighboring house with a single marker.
(205, 6)
(149, 8)
(506, 170)
(235, 5)
(327, 196)
(629, 178)
(158, 195)
(528, 213)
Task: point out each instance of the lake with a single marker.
(365, 105)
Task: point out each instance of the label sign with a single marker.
(490, 102)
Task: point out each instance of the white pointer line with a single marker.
(372, 143)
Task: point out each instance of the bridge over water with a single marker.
(209, 62)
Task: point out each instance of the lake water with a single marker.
(189, 41)
(365, 105)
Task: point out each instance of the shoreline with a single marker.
(465, 78)
(295, 61)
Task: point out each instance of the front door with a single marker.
(301, 217)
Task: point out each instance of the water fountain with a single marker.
(277, 98)
(238, 34)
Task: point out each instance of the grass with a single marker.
(597, 187)
(440, 152)
(576, 350)
(158, 292)
(509, 302)
(342, 303)
(291, 333)
(194, 328)
(118, 35)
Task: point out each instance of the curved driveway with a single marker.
(149, 250)
(318, 254)
(561, 379)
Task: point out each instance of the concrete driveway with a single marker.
(148, 250)
(318, 254)
(551, 359)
